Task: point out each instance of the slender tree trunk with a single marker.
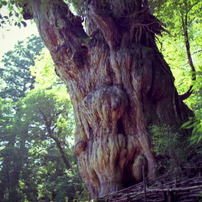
(189, 57)
(119, 85)
(62, 153)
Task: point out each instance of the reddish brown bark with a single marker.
(119, 85)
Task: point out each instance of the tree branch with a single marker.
(101, 15)
(47, 123)
(62, 153)
(174, 189)
(58, 144)
(61, 31)
(55, 115)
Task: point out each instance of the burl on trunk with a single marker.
(119, 85)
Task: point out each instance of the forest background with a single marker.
(36, 116)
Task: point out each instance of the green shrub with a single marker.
(171, 148)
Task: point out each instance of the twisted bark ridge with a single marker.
(119, 85)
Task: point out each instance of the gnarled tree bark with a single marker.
(119, 85)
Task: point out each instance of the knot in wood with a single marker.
(106, 104)
(79, 147)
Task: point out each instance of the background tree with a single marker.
(51, 125)
(16, 80)
(15, 71)
(36, 136)
(6, 114)
(48, 110)
(186, 34)
(185, 41)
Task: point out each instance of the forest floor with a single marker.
(164, 188)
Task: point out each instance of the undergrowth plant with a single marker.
(171, 148)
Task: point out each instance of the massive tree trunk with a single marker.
(119, 85)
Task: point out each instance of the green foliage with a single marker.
(172, 13)
(51, 109)
(12, 14)
(44, 71)
(195, 103)
(172, 149)
(15, 68)
(37, 128)
(175, 14)
(80, 7)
